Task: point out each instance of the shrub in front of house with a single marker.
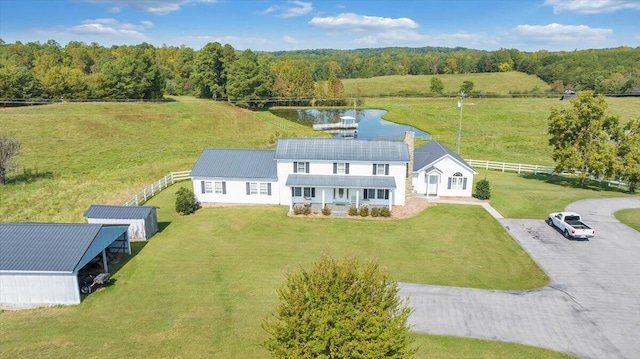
(326, 211)
(483, 189)
(298, 210)
(385, 212)
(186, 202)
(353, 211)
(375, 211)
(364, 211)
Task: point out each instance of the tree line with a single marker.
(50, 71)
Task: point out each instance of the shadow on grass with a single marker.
(569, 182)
(28, 175)
(163, 225)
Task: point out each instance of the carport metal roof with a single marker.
(53, 247)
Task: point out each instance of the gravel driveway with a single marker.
(591, 308)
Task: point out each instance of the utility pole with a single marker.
(460, 104)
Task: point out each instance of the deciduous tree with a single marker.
(436, 85)
(629, 155)
(9, 148)
(583, 137)
(338, 310)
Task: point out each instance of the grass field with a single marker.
(630, 217)
(502, 83)
(201, 287)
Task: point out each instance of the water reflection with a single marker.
(370, 122)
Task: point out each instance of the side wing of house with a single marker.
(236, 176)
(439, 172)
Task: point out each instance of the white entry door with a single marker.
(432, 185)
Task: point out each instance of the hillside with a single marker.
(396, 85)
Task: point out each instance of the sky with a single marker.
(262, 25)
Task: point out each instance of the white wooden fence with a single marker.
(535, 169)
(156, 187)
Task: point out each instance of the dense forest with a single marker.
(79, 71)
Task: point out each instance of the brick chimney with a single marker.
(409, 139)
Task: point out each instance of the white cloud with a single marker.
(100, 27)
(156, 7)
(354, 22)
(592, 6)
(294, 8)
(563, 33)
(290, 40)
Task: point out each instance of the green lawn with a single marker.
(630, 217)
(535, 196)
(201, 287)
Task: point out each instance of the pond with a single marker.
(370, 122)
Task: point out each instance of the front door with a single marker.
(342, 195)
(432, 186)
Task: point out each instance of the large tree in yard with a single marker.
(584, 137)
(9, 148)
(338, 310)
(629, 155)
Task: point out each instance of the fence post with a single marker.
(172, 181)
(144, 193)
(519, 167)
(503, 164)
(137, 202)
(535, 170)
(486, 167)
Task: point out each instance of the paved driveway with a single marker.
(591, 308)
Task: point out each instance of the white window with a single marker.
(253, 189)
(340, 168)
(381, 169)
(301, 167)
(263, 189)
(297, 191)
(218, 188)
(208, 187)
(457, 182)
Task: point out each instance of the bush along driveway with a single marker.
(590, 309)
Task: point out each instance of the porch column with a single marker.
(104, 261)
(391, 191)
(357, 198)
(323, 203)
(126, 237)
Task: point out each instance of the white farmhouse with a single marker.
(329, 171)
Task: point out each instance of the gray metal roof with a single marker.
(235, 163)
(431, 152)
(300, 180)
(332, 149)
(118, 212)
(47, 246)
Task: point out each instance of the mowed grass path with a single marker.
(201, 287)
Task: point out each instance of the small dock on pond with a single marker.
(346, 123)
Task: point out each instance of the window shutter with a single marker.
(202, 186)
(335, 168)
(295, 167)
(306, 167)
(224, 187)
(365, 194)
(449, 183)
(464, 183)
(313, 192)
(386, 169)
(269, 189)
(346, 168)
(248, 189)
(375, 168)
(293, 193)
(386, 194)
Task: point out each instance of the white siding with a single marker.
(397, 170)
(32, 289)
(236, 192)
(448, 167)
(137, 227)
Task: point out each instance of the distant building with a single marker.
(568, 95)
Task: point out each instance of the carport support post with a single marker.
(323, 201)
(104, 261)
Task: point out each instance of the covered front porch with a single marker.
(344, 191)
